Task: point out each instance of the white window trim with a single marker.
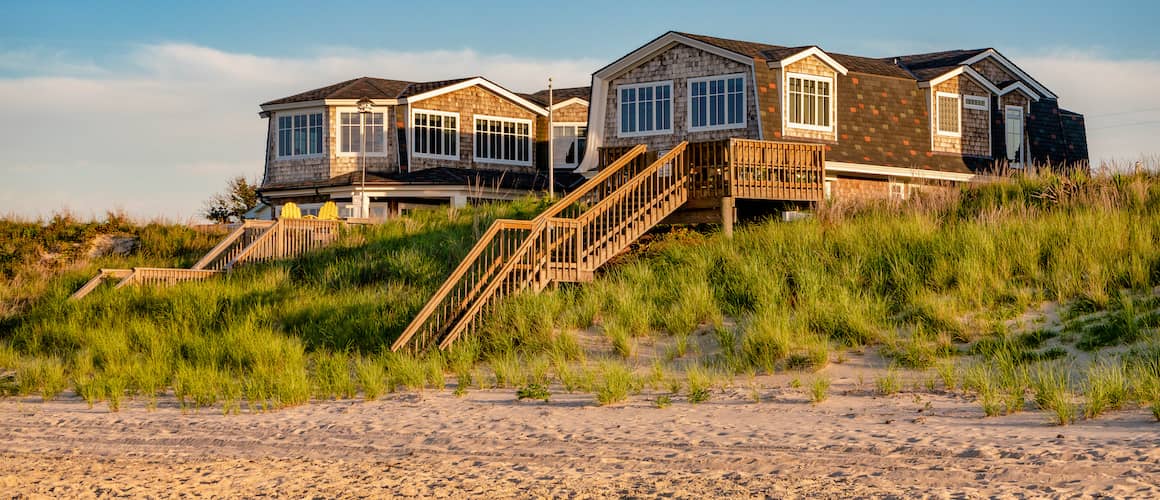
(411, 134)
(1023, 142)
(338, 132)
(672, 108)
(292, 114)
(938, 130)
(986, 106)
(567, 124)
(833, 102)
(903, 190)
(531, 141)
(727, 126)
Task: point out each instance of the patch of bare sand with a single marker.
(487, 444)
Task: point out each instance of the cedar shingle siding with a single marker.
(884, 107)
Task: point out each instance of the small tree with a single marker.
(230, 205)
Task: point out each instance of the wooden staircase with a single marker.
(594, 223)
(252, 241)
(566, 243)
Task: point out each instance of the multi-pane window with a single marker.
(717, 102)
(503, 140)
(435, 133)
(947, 113)
(810, 100)
(646, 108)
(350, 126)
(976, 102)
(299, 134)
(568, 143)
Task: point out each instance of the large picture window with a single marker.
(646, 108)
(350, 140)
(947, 113)
(503, 140)
(717, 102)
(299, 134)
(810, 99)
(435, 134)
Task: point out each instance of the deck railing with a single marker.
(567, 242)
(752, 169)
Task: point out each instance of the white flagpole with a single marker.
(551, 139)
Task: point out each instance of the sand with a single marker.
(486, 444)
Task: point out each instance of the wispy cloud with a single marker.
(157, 130)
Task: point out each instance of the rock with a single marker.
(108, 244)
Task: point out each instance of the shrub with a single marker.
(819, 390)
(533, 391)
(616, 381)
(1106, 388)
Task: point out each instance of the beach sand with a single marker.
(487, 444)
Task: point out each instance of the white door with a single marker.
(1015, 151)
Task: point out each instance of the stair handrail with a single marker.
(468, 315)
(226, 243)
(534, 225)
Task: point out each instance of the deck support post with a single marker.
(728, 215)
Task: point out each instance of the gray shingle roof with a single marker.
(365, 86)
(559, 95)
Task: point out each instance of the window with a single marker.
(568, 143)
(350, 128)
(646, 108)
(947, 114)
(898, 190)
(435, 134)
(503, 140)
(810, 100)
(717, 102)
(1014, 135)
(300, 134)
(976, 102)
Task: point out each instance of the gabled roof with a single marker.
(767, 52)
(356, 88)
(559, 95)
(382, 88)
(933, 64)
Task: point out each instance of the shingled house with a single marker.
(889, 125)
(451, 141)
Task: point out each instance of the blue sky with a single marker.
(149, 106)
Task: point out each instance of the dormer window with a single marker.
(810, 99)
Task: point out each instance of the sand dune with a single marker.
(488, 444)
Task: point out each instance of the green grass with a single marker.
(819, 390)
(927, 283)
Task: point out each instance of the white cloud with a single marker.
(159, 129)
(1117, 98)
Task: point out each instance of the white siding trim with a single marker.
(1010, 66)
(485, 83)
(913, 173)
(812, 51)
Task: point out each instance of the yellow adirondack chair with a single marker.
(291, 211)
(329, 211)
